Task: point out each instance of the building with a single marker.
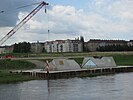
(51, 46)
(6, 49)
(130, 43)
(64, 46)
(37, 47)
(2, 50)
(68, 45)
(93, 44)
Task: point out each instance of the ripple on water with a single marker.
(110, 87)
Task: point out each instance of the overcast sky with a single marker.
(68, 19)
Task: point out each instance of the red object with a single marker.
(8, 56)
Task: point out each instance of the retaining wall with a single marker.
(78, 73)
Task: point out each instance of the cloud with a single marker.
(9, 11)
(105, 19)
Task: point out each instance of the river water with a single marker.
(110, 87)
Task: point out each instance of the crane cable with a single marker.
(46, 11)
(48, 30)
(2, 11)
(22, 22)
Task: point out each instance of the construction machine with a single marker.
(24, 20)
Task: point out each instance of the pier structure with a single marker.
(76, 73)
(67, 68)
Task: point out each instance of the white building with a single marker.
(2, 50)
(64, 46)
(37, 47)
(6, 49)
(130, 43)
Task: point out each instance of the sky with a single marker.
(68, 19)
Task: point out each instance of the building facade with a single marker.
(130, 43)
(37, 47)
(6, 49)
(68, 45)
(93, 44)
(64, 46)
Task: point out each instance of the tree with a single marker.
(61, 48)
(23, 47)
(115, 48)
(82, 40)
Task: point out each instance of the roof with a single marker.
(90, 62)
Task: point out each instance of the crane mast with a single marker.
(21, 23)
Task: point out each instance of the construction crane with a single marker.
(21, 23)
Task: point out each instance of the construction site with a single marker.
(61, 64)
(66, 50)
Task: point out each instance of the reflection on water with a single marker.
(111, 87)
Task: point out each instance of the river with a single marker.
(110, 87)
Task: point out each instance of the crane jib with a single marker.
(21, 23)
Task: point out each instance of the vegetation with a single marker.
(6, 77)
(15, 64)
(23, 47)
(7, 64)
(121, 58)
(115, 48)
(78, 60)
(124, 60)
(82, 40)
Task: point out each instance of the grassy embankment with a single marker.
(124, 60)
(121, 58)
(6, 65)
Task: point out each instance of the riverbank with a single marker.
(6, 77)
(121, 58)
(69, 55)
(91, 72)
(6, 65)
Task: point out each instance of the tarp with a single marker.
(92, 62)
(63, 64)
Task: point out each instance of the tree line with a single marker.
(25, 47)
(115, 48)
(22, 47)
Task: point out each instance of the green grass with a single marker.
(78, 60)
(7, 64)
(6, 77)
(15, 64)
(124, 60)
(121, 60)
(72, 54)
